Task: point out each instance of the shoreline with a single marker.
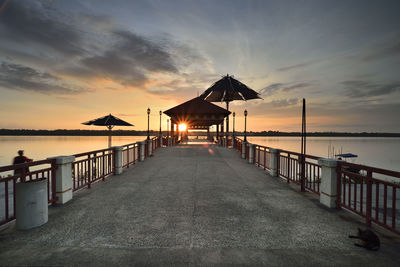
(28, 132)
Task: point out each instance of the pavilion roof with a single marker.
(196, 106)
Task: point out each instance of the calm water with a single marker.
(42, 147)
(371, 151)
(377, 152)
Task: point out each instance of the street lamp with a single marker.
(245, 122)
(148, 123)
(160, 122)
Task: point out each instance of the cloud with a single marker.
(298, 66)
(24, 22)
(88, 47)
(384, 52)
(23, 78)
(284, 102)
(361, 88)
(285, 87)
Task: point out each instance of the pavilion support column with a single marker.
(227, 125)
(222, 133)
(172, 133)
(217, 133)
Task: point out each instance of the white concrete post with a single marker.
(64, 178)
(32, 208)
(251, 153)
(149, 145)
(274, 162)
(244, 150)
(142, 146)
(328, 187)
(118, 159)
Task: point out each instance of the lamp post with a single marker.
(160, 122)
(148, 123)
(245, 122)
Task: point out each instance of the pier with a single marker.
(193, 205)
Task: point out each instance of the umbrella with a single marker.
(109, 121)
(226, 90)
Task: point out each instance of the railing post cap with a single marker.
(273, 150)
(328, 162)
(63, 159)
(117, 148)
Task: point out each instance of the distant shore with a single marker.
(64, 132)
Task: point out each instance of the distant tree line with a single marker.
(64, 132)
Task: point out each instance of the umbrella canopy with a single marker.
(109, 121)
(226, 90)
(229, 89)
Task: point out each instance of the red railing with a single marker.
(130, 154)
(262, 157)
(371, 197)
(92, 166)
(289, 167)
(155, 144)
(21, 173)
(238, 145)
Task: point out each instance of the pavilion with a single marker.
(197, 114)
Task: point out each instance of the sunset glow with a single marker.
(182, 127)
(65, 62)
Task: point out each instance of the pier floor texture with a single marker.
(194, 205)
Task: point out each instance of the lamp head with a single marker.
(148, 111)
(245, 112)
(160, 112)
(234, 114)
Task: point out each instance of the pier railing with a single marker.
(362, 192)
(289, 167)
(130, 154)
(92, 166)
(24, 173)
(87, 168)
(372, 193)
(262, 157)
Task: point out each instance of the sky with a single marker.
(67, 62)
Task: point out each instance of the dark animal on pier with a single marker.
(369, 239)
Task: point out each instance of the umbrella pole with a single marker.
(109, 135)
(227, 124)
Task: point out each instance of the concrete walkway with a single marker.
(193, 205)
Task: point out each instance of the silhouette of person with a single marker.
(19, 160)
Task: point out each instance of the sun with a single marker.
(182, 127)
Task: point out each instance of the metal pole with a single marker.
(148, 123)
(245, 124)
(303, 145)
(160, 122)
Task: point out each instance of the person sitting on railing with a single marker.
(19, 160)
